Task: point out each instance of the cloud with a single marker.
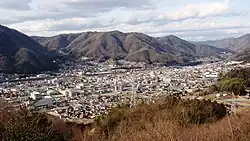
(154, 17)
(198, 11)
(15, 4)
(107, 5)
(191, 11)
(7, 21)
(63, 21)
(127, 11)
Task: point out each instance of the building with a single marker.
(67, 93)
(35, 95)
(52, 92)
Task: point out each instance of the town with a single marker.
(81, 91)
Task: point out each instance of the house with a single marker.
(79, 86)
(52, 92)
(35, 95)
(67, 93)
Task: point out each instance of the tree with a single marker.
(235, 85)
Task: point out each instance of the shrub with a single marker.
(235, 85)
(235, 81)
(171, 109)
(199, 112)
(21, 125)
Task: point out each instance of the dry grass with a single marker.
(155, 122)
(17, 123)
(234, 128)
(160, 126)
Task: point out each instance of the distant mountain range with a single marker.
(19, 53)
(241, 45)
(237, 44)
(23, 54)
(128, 46)
(192, 49)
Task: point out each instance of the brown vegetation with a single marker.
(165, 120)
(170, 119)
(18, 124)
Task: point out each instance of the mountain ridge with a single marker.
(132, 46)
(19, 53)
(237, 44)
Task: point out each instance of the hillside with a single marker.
(242, 55)
(128, 46)
(237, 44)
(19, 53)
(167, 119)
(185, 47)
(56, 42)
(151, 122)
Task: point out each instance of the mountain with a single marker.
(19, 53)
(237, 44)
(127, 46)
(118, 45)
(56, 42)
(193, 49)
(243, 55)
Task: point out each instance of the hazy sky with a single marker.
(189, 19)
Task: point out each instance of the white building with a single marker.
(52, 92)
(234, 62)
(213, 75)
(67, 93)
(35, 95)
(79, 86)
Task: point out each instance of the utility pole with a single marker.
(234, 106)
(133, 98)
(115, 90)
(133, 91)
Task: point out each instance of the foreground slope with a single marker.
(172, 119)
(19, 53)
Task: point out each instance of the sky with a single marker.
(193, 20)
